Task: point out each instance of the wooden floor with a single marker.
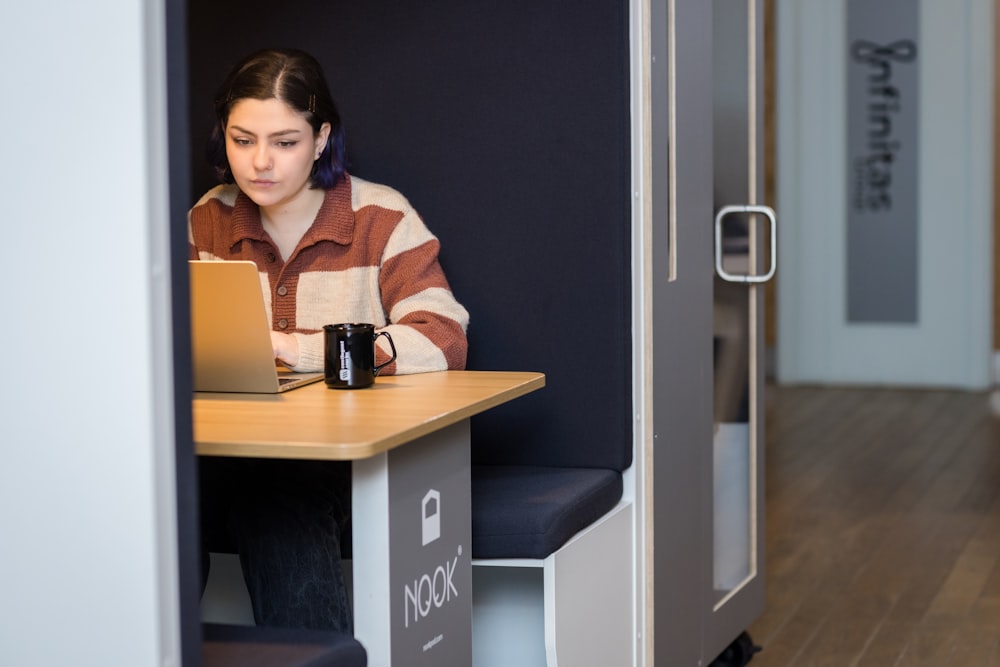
(883, 529)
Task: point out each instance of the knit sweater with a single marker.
(368, 257)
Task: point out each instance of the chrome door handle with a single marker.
(746, 278)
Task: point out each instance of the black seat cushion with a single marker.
(252, 646)
(531, 511)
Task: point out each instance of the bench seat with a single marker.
(531, 511)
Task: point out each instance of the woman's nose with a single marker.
(262, 158)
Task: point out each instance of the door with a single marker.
(833, 327)
(706, 560)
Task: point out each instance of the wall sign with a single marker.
(882, 160)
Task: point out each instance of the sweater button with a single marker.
(282, 323)
(269, 257)
(282, 291)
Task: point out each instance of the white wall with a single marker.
(87, 546)
(951, 344)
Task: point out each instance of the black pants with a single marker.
(285, 520)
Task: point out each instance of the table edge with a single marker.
(347, 452)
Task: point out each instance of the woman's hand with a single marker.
(286, 348)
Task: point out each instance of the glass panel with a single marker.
(733, 460)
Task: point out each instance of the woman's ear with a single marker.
(322, 136)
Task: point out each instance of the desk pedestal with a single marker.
(416, 591)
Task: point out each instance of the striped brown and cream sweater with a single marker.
(368, 257)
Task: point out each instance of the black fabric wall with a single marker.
(507, 126)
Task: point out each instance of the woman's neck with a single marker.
(288, 222)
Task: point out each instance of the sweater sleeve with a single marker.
(426, 322)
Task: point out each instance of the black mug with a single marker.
(350, 355)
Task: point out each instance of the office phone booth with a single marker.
(713, 247)
(490, 121)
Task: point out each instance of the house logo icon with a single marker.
(431, 513)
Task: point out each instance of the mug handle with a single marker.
(391, 345)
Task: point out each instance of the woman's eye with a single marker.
(241, 141)
(286, 144)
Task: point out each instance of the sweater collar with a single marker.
(334, 221)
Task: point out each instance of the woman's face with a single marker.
(271, 149)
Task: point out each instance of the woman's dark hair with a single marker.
(295, 78)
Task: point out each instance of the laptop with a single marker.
(230, 334)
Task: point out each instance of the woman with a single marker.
(330, 248)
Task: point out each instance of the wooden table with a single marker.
(411, 515)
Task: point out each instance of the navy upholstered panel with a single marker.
(507, 126)
(251, 646)
(530, 511)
